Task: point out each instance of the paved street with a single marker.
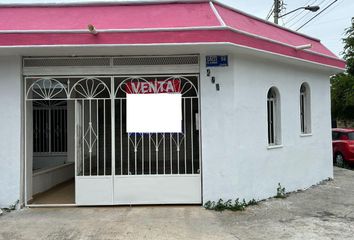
(321, 212)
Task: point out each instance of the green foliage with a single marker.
(229, 205)
(349, 48)
(342, 84)
(280, 192)
(342, 93)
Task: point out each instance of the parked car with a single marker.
(343, 145)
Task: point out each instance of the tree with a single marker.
(349, 48)
(342, 89)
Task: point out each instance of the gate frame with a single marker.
(154, 70)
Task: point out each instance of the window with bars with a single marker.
(49, 127)
(305, 113)
(273, 114)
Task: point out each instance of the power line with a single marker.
(304, 18)
(316, 15)
(300, 12)
(333, 8)
(270, 12)
(331, 20)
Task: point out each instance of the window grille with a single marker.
(305, 114)
(158, 60)
(49, 127)
(109, 61)
(273, 113)
(64, 62)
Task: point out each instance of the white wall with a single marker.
(44, 180)
(236, 160)
(10, 129)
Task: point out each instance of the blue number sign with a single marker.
(217, 61)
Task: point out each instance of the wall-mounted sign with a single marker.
(217, 61)
(153, 86)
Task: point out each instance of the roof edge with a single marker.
(81, 31)
(262, 20)
(147, 2)
(97, 2)
(338, 69)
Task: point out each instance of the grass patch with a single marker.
(222, 205)
(281, 193)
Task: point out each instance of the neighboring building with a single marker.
(253, 99)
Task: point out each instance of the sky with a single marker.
(329, 26)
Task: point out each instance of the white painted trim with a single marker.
(176, 44)
(274, 147)
(303, 47)
(305, 134)
(158, 69)
(118, 70)
(218, 16)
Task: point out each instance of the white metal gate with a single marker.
(114, 167)
(157, 167)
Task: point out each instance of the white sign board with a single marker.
(154, 113)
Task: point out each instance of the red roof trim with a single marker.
(166, 37)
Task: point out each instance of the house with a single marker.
(164, 103)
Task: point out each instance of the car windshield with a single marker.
(351, 135)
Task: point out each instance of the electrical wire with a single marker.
(316, 15)
(270, 12)
(331, 20)
(304, 18)
(333, 8)
(300, 12)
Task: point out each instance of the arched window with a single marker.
(305, 109)
(273, 111)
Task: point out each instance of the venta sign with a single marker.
(153, 86)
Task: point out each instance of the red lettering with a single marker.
(153, 86)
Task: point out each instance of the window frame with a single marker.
(273, 117)
(305, 109)
(48, 146)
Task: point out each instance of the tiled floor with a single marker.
(63, 193)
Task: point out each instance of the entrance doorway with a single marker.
(112, 166)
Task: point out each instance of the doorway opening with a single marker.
(52, 166)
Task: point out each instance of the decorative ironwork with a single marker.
(90, 88)
(156, 142)
(90, 137)
(178, 139)
(46, 89)
(135, 141)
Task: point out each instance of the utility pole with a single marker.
(276, 11)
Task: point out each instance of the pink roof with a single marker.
(107, 17)
(201, 22)
(245, 23)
